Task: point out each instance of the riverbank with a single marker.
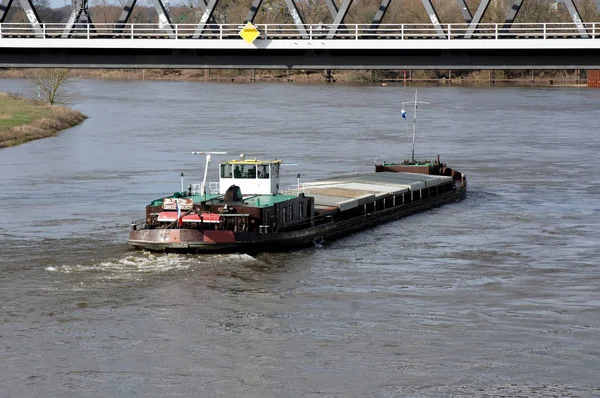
(539, 78)
(23, 120)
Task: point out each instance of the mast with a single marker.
(415, 102)
(208, 161)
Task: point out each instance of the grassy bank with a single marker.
(23, 120)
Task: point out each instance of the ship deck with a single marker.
(352, 190)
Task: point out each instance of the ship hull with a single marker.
(215, 241)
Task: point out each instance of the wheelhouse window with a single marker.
(226, 171)
(244, 171)
(263, 171)
(276, 170)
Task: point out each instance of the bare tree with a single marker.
(103, 11)
(52, 85)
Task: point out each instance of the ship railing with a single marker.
(212, 188)
(138, 224)
(294, 189)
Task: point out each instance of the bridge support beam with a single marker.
(576, 17)
(464, 9)
(333, 10)
(125, 14)
(297, 17)
(79, 15)
(211, 20)
(483, 6)
(30, 13)
(468, 59)
(5, 6)
(433, 17)
(381, 11)
(339, 18)
(254, 10)
(511, 15)
(207, 15)
(164, 22)
(292, 7)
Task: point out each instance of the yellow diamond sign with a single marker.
(249, 33)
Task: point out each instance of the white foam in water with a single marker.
(149, 263)
(237, 257)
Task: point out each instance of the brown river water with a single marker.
(497, 295)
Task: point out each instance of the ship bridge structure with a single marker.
(296, 40)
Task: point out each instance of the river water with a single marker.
(497, 295)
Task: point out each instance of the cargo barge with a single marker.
(248, 212)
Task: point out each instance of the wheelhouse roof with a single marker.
(253, 161)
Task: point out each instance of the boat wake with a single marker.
(148, 263)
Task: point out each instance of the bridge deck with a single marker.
(388, 36)
(302, 44)
(400, 46)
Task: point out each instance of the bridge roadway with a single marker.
(398, 46)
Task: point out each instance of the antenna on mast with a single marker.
(415, 102)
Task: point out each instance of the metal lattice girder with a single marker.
(511, 15)
(79, 14)
(476, 18)
(32, 16)
(204, 6)
(464, 9)
(30, 12)
(433, 17)
(333, 10)
(254, 10)
(383, 7)
(297, 17)
(125, 14)
(206, 16)
(76, 17)
(164, 22)
(291, 5)
(5, 6)
(339, 18)
(576, 18)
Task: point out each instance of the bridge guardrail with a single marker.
(542, 31)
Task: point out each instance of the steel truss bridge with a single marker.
(336, 45)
